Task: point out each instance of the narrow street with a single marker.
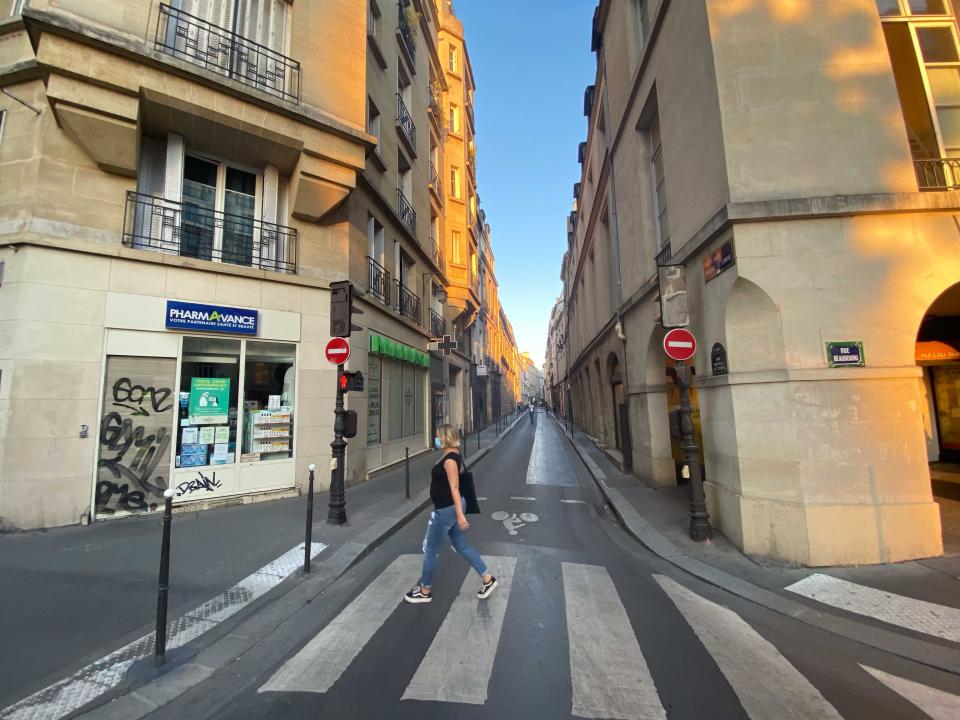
(584, 623)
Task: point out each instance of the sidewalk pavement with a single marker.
(902, 592)
(73, 596)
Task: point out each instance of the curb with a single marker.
(931, 654)
(159, 688)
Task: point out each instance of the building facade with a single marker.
(800, 174)
(181, 183)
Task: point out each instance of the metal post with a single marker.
(338, 501)
(406, 474)
(163, 585)
(308, 535)
(699, 519)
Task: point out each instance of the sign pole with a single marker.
(700, 529)
(338, 501)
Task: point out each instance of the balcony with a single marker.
(378, 281)
(461, 341)
(435, 185)
(188, 230)
(938, 173)
(405, 32)
(438, 259)
(436, 107)
(406, 212)
(438, 326)
(664, 255)
(408, 130)
(214, 48)
(408, 304)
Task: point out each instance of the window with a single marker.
(659, 184)
(405, 390)
(3, 123)
(457, 250)
(454, 119)
(895, 8)
(16, 7)
(373, 13)
(455, 182)
(643, 19)
(373, 119)
(268, 397)
(374, 370)
(453, 62)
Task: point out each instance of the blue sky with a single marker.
(531, 61)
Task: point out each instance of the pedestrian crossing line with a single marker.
(573, 502)
(458, 665)
(938, 704)
(767, 685)
(522, 498)
(918, 615)
(324, 659)
(608, 672)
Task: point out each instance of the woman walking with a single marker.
(447, 519)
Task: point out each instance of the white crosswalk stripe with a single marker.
(609, 674)
(323, 660)
(938, 704)
(917, 615)
(458, 665)
(751, 664)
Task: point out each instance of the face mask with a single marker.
(436, 442)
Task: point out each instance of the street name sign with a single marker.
(680, 344)
(338, 350)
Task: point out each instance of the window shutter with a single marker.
(272, 244)
(173, 192)
(148, 225)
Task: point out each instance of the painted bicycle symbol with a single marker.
(512, 521)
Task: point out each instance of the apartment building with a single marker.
(555, 365)
(795, 160)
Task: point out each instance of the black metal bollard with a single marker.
(406, 474)
(308, 534)
(163, 585)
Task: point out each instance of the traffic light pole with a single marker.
(338, 500)
(700, 529)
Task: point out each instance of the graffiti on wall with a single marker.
(133, 468)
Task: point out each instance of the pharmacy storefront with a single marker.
(196, 397)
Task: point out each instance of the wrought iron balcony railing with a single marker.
(938, 173)
(408, 304)
(378, 281)
(435, 180)
(461, 341)
(186, 229)
(225, 52)
(438, 259)
(438, 326)
(664, 255)
(406, 211)
(406, 32)
(436, 108)
(406, 124)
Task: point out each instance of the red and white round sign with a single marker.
(680, 344)
(338, 350)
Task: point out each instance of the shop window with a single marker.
(268, 399)
(373, 400)
(209, 384)
(405, 388)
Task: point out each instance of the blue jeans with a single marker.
(443, 522)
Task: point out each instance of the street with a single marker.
(584, 623)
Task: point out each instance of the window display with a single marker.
(268, 397)
(209, 381)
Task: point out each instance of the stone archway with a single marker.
(938, 354)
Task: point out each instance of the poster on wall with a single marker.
(209, 401)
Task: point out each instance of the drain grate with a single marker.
(604, 511)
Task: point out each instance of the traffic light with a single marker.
(351, 381)
(342, 309)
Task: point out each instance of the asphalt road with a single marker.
(585, 623)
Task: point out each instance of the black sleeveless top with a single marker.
(439, 485)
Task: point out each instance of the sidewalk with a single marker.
(73, 596)
(905, 593)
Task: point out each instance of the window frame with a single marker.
(456, 183)
(656, 153)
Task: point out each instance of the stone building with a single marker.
(179, 185)
(794, 160)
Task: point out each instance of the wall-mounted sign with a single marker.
(845, 354)
(929, 351)
(211, 318)
(481, 370)
(718, 359)
(718, 261)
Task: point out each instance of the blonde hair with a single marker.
(449, 437)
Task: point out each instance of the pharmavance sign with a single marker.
(210, 318)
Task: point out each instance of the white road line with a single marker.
(766, 683)
(522, 498)
(97, 678)
(458, 665)
(573, 502)
(324, 659)
(609, 674)
(938, 704)
(918, 615)
(480, 499)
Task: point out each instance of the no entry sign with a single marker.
(680, 344)
(338, 350)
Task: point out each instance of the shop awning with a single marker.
(398, 351)
(934, 351)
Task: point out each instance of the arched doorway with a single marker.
(938, 353)
(621, 415)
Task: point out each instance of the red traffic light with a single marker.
(351, 381)
(344, 381)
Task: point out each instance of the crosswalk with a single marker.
(609, 674)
